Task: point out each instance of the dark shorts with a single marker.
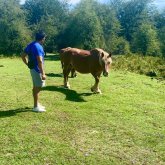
(36, 78)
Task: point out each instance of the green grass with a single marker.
(124, 125)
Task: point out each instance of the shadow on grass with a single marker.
(14, 112)
(71, 95)
(54, 75)
(52, 57)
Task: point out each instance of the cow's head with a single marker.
(105, 62)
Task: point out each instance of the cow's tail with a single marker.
(61, 58)
(62, 64)
(62, 52)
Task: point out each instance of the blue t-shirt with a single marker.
(36, 49)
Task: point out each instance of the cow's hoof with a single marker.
(96, 91)
(73, 75)
(67, 87)
(92, 89)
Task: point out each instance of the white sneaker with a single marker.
(41, 106)
(38, 109)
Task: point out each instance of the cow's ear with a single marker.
(110, 54)
(102, 54)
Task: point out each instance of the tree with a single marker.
(161, 34)
(13, 30)
(84, 29)
(145, 40)
(111, 29)
(131, 13)
(49, 16)
(159, 21)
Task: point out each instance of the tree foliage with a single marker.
(160, 25)
(84, 29)
(119, 26)
(13, 30)
(146, 38)
(49, 16)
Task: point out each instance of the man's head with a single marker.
(40, 36)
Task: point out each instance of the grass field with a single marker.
(124, 125)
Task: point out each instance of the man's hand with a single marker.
(24, 58)
(43, 77)
(41, 68)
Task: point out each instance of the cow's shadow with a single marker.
(54, 75)
(9, 113)
(71, 95)
(53, 57)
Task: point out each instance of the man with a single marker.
(33, 57)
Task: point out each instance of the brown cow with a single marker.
(94, 61)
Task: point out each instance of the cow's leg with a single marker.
(73, 73)
(95, 87)
(66, 72)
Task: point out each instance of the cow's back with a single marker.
(82, 60)
(65, 55)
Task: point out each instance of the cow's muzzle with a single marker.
(105, 74)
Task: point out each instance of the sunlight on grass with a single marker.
(124, 125)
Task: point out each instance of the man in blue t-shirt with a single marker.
(33, 57)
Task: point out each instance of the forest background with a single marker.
(119, 26)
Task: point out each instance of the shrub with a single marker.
(148, 65)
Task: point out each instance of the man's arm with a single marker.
(24, 58)
(40, 65)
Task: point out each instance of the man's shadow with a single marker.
(9, 113)
(71, 95)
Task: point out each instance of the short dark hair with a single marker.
(40, 35)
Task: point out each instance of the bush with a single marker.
(148, 65)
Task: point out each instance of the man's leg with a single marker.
(36, 91)
(37, 85)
